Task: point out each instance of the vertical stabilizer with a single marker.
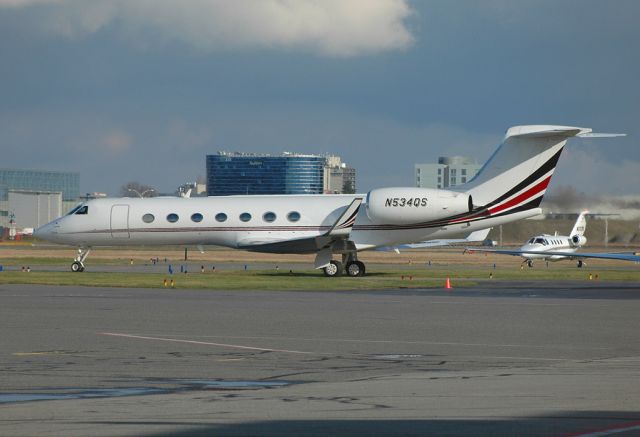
(581, 225)
(516, 176)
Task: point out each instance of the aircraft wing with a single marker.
(473, 237)
(573, 255)
(295, 245)
(339, 231)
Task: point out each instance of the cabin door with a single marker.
(120, 221)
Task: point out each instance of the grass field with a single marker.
(304, 280)
(411, 269)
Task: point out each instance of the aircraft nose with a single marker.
(40, 232)
(44, 232)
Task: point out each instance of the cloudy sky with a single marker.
(142, 90)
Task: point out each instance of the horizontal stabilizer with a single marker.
(599, 135)
(544, 131)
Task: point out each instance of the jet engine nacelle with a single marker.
(578, 240)
(402, 206)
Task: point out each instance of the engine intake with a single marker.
(414, 205)
(578, 240)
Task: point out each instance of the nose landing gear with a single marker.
(78, 263)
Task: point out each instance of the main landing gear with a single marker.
(580, 264)
(78, 263)
(528, 262)
(352, 267)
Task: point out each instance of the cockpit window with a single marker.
(531, 241)
(84, 209)
(73, 211)
(540, 241)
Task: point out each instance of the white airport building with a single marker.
(448, 172)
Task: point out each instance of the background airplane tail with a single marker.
(580, 226)
(516, 176)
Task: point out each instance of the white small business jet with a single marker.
(546, 247)
(558, 247)
(508, 187)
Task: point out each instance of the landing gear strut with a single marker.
(78, 262)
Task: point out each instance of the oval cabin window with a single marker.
(293, 216)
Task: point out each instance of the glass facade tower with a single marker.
(238, 173)
(37, 180)
(23, 192)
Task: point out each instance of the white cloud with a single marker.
(331, 27)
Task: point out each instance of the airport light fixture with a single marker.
(138, 192)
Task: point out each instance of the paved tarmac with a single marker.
(505, 359)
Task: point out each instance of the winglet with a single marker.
(345, 222)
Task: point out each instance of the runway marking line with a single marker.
(27, 354)
(206, 343)
(624, 427)
(417, 342)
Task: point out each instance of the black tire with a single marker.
(333, 269)
(529, 263)
(355, 268)
(77, 266)
(580, 263)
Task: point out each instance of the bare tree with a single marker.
(136, 189)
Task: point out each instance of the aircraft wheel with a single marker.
(333, 269)
(529, 263)
(580, 263)
(355, 268)
(77, 267)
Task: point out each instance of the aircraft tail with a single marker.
(580, 226)
(518, 173)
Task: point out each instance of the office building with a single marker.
(233, 173)
(338, 178)
(448, 172)
(35, 197)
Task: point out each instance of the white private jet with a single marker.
(508, 187)
(545, 247)
(558, 247)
